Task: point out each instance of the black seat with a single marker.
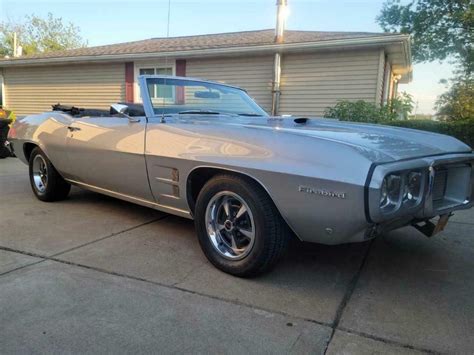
(80, 112)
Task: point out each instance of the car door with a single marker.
(164, 143)
(108, 153)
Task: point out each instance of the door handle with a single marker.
(73, 129)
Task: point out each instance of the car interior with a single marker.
(134, 110)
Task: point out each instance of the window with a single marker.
(158, 91)
(196, 97)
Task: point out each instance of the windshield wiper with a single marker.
(210, 112)
(249, 114)
(199, 112)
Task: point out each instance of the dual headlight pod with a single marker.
(401, 190)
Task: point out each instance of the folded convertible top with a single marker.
(133, 110)
(69, 109)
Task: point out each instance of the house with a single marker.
(317, 69)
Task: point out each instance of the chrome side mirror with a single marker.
(119, 108)
(122, 110)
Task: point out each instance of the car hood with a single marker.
(378, 143)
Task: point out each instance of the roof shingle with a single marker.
(210, 41)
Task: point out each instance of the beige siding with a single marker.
(35, 89)
(313, 82)
(251, 73)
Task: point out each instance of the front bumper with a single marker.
(428, 226)
(448, 187)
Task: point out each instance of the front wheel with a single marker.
(47, 184)
(239, 228)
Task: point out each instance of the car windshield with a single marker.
(182, 96)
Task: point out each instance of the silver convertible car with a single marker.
(207, 151)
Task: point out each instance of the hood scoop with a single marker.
(301, 120)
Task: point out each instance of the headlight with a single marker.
(412, 187)
(401, 190)
(390, 192)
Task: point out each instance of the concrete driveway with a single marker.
(93, 274)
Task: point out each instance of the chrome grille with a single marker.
(439, 185)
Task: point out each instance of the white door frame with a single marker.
(163, 63)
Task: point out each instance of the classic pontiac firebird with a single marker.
(207, 151)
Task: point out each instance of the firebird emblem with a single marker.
(322, 192)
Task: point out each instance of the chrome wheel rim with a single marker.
(40, 173)
(230, 225)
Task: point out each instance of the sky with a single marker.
(115, 21)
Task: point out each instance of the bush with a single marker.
(359, 111)
(460, 129)
(362, 111)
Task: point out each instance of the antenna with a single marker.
(166, 57)
(169, 15)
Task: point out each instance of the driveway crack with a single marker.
(347, 296)
(333, 325)
(295, 342)
(188, 274)
(109, 236)
(390, 342)
(22, 267)
(52, 257)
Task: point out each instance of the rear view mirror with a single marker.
(207, 95)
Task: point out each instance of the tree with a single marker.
(440, 28)
(40, 35)
(402, 105)
(458, 101)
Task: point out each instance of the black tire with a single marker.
(4, 152)
(270, 234)
(55, 188)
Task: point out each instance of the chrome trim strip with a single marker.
(139, 201)
(171, 196)
(429, 195)
(167, 181)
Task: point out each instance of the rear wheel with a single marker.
(239, 228)
(47, 184)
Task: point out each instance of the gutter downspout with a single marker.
(276, 92)
(279, 38)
